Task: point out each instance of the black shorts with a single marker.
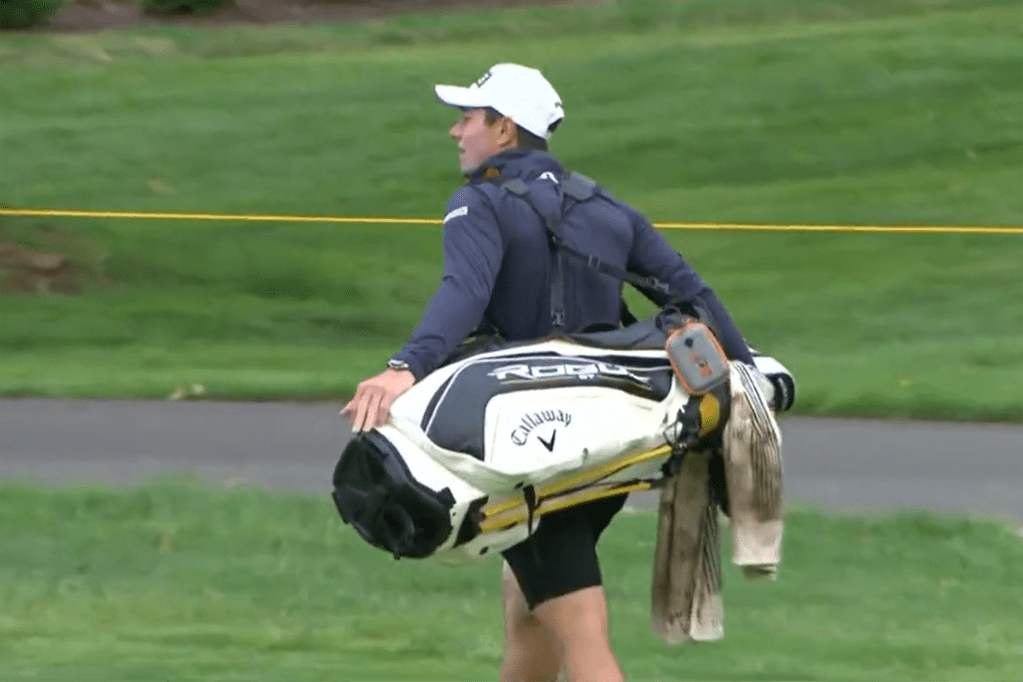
(561, 556)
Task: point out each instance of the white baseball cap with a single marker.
(518, 92)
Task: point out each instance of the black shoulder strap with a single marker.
(553, 221)
(580, 189)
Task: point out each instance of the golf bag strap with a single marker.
(554, 224)
(580, 189)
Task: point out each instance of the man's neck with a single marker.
(493, 164)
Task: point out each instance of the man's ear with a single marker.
(508, 132)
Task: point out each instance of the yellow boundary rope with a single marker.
(753, 227)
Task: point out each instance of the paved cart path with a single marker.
(837, 464)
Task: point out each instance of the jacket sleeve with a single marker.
(653, 255)
(473, 251)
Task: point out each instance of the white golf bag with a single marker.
(475, 454)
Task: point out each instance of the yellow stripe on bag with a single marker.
(508, 520)
(611, 467)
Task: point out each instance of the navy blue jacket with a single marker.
(498, 265)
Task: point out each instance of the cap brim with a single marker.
(456, 96)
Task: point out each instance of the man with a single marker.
(498, 270)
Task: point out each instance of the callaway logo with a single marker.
(584, 371)
(547, 175)
(549, 444)
(520, 434)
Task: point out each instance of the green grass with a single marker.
(733, 110)
(180, 580)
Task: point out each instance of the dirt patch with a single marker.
(24, 271)
(54, 263)
(95, 15)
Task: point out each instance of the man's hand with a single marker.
(374, 397)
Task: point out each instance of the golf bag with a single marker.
(475, 454)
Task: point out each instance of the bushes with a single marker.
(25, 13)
(174, 6)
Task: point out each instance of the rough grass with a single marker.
(180, 580)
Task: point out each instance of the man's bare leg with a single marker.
(578, 621)
(530, 651)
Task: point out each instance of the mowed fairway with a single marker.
(177, 580)
(763, 111)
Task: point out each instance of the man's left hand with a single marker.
(374, 397)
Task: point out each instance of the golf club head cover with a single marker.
(783, 387)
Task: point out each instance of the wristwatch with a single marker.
(397, 365)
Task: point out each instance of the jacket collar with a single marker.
(515, 163)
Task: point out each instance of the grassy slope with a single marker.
(175, 580)
(831, 112)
